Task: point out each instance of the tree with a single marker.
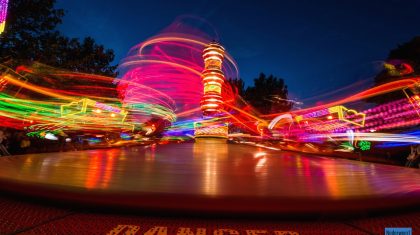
(409, 52)
(268, 95)
(402, 62)
(31, 35)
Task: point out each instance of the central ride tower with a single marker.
(212, 101)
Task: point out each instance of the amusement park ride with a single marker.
(212, 102)
(165, 81)
(40, 109)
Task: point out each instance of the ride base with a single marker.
(210, 129)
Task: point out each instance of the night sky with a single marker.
(316, 46)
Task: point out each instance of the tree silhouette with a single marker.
(268, 95)
(31, 35)
(406, 54)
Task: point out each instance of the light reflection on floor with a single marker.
(211, 169)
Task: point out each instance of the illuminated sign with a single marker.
(163, 230)
(73, 108)
(344, 114)
(349, 115)
(80, 107)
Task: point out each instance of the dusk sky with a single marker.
(316, 46)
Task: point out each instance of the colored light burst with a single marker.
(398, 68)
(161, 78)
(378, 90)
(71, 106)
(164, 74)
(162, 81)
(3, 14)
(332, 122)
(322, 123)
(364, 145)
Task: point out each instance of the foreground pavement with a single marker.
(18, 216)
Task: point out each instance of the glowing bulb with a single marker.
(98, 111)
(330, 117)
(112, 114)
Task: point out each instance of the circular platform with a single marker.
(211, 177)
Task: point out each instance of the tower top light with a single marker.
(213, 79)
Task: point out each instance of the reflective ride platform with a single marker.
(210, 177)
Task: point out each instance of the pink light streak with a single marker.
(165, 71)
